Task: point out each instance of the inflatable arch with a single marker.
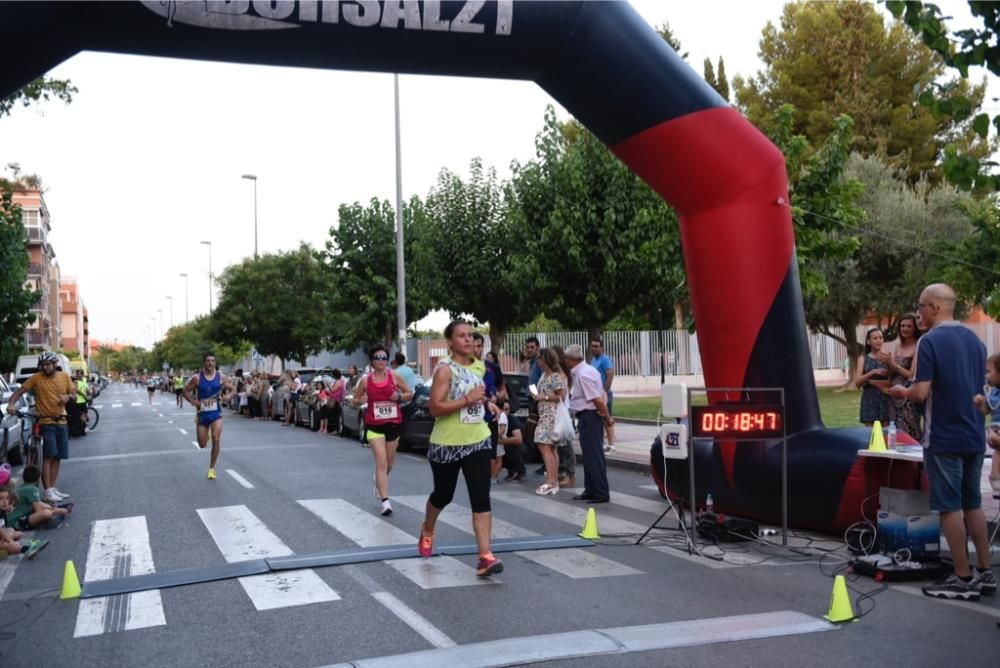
(614, 73)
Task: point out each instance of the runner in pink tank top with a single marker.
(384, 391)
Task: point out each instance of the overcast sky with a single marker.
(146, 161)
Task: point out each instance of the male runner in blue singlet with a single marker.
(208, 384)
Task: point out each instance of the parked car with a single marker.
(417, 420)
(306, 410)
(13, 429)
(279, 400)
(352, 418)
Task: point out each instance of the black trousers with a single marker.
(595, 470)
(75, 413)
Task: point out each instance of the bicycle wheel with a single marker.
(93, 417)
(33, 451)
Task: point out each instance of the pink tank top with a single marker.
(382, 407)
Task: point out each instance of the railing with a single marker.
(35, 269)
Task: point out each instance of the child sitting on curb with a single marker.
(10, 538)
(31, 512)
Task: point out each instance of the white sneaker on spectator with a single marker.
(50, 496)
(608, 449)
(61, 494)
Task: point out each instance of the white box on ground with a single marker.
(674, 438)
(674, 400)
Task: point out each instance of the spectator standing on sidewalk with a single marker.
(949, 373)
(586, 399)
(564, 449)
(606, 368)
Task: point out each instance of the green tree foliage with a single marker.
(361, 258)
(595, 238)
(133, 359)
(708, 70)
(905, 237)
(722, 82)
(184, 345)
(977, 277)
(467, 252)
(15, 299)
(833, 58)
(974, 47)
(668, 36)
(278, 303)
(42, 88)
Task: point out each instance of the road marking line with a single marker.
(119, 547)
(182, 431)
(629, 501)
(240, 536)
(116, 405)
(411, 618)
(170, 421)
(597, 642)
(195, 444)
(573, 562)
(369, 531)
(240, 479)
(136, 403)
(98, 406)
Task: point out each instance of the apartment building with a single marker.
(73, 318)
(43, 272)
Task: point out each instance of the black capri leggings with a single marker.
(476, 470)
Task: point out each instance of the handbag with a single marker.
(563, 429)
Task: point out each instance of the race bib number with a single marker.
(472, 414)
(386, 410)
(209, 404)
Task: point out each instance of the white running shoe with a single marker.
(61, 494)
(50, 496)
(386, 508)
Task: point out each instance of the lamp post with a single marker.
(185, 277)
(171, 300)
(209, 244)
(160, 311)
(400, 270)
(253, 177)
(152, 329)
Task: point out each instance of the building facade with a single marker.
(73, 318)
(43, 273)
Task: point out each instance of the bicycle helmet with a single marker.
(47, 356)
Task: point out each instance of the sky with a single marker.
(146, 162)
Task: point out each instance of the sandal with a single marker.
(547, 490)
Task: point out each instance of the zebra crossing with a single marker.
(120, 547)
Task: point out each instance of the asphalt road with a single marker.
(143, 504)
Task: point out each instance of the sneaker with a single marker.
(211, 474)
(952, 587)
(62, 495)
(34, 547)
(50, 496)
(386, 508)
(425, 546)
(488, 565)
(986, 581)
(608, 449)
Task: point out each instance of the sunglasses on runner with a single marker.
(380, 358)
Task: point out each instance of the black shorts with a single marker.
(178, 392)
(151, 389)
(390, 430)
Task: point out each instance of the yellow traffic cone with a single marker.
(590, 526)
(71, 584)
(877, 441)
(840, 603)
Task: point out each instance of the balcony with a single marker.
(36, 235)
(37, 338)
(41, 305)
(35, 269)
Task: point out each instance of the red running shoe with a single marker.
(488, 565)
(425, 546)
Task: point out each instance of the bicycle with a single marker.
(91, 417)
(32, 448)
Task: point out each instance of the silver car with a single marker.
(13, 429)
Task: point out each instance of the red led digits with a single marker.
(738, 421)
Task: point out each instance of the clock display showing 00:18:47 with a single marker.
(732, 421)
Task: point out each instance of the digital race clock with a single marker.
(738, 420)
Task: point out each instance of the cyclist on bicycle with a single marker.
(53, 390)
(77, 407)
(209, 386)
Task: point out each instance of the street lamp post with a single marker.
(253, 177)
(152, 329)
(171, 300)
(160, 311)
(400, 270)
(209, 244)
(185, 277)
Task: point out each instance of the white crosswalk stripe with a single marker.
(119, 547)
(573, 562)
(369, 531)
(240, 536)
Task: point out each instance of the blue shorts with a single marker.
(55, 441)
(207, 418)
(611, 402)
(954, 480)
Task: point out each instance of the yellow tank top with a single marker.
(468, 425)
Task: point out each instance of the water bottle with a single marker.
(891, 436)
(709, 504)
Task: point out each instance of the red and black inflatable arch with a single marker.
(619, 78)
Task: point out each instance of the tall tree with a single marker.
(468, 250)
(709, 72)
(972, 47)
(722, 83)
(668, 36)
(184, 345)
(361, 257)
(278, 303)
(42, 88)
(977, 276)
(15, 298)
(833, 58)
(595, 237)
